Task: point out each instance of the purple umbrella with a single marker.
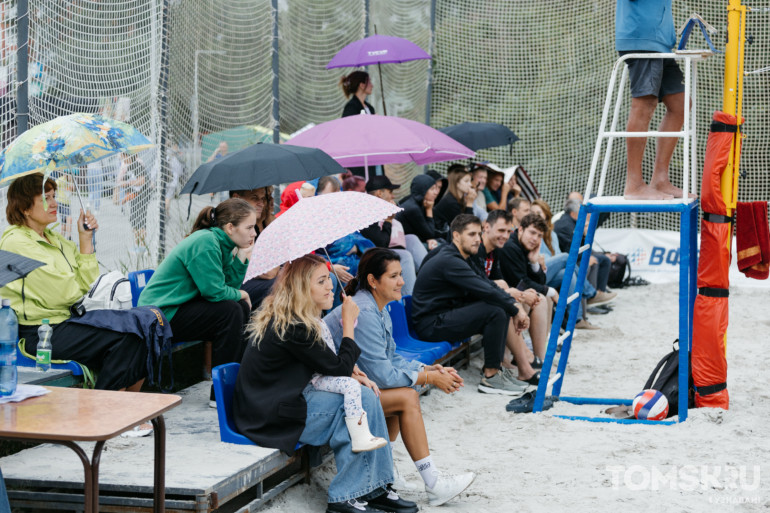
(377, 50)
(373, 140)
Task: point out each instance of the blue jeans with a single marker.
(358, 474)
(417, 249)
(555, 274)
(4, 506)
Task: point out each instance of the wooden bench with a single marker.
(52, 377)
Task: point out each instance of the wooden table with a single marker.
(68, 415)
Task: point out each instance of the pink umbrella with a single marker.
(372, 140)
(315, 223)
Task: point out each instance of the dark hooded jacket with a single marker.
(413, 217)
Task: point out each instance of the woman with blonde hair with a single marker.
(458, 199)
(276, 405)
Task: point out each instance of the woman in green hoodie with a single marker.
(49, 291)
(198, 284)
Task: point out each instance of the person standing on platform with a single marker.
(648, 27)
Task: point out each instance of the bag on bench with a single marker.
(110, 291)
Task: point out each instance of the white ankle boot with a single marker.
(361, 438)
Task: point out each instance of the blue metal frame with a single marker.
(688, 267)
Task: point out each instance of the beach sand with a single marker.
(716, 461)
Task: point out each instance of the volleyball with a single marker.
(650, 405)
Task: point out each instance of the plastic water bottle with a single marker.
(9, 336)
(43, 356)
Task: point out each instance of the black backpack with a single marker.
(665, 379)
(618, 271)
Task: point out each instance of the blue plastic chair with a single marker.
(426, 357)
(407, 300)
(139, 280)
(428, 352)
(224, 377)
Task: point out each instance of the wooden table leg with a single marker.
(159, 426)
(95, 460)
(90, 489)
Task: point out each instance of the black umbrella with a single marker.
(479, 136)
(261, 165)
(14, 267)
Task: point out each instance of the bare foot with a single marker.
(668, 188)
(645, 192)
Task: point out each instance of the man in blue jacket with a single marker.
(647, 26)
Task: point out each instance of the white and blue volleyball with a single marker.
(650, 405)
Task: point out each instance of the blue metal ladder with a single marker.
(688, 263)
(688, 267)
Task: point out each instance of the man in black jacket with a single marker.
(523, 264)
(452, 301)
(497, 231)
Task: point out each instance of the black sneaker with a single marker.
(351, 506)
(392, 503)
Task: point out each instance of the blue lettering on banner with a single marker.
(656, 257)
(673, 257)
(660, 255)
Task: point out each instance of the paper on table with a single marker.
(24, 392)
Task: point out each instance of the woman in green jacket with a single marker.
(49, 291)
(198, 284)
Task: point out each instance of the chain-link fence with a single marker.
(205, 77)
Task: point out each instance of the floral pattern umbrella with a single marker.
(314, 223)
(68, 142)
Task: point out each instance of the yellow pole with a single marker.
(732, 98)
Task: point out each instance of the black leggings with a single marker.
(119, 358)
(222, 323)
(461, 323)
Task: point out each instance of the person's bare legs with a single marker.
(639, 117)
(672, 122)
(136, 387)
(521, 354)
(394, 427)
(539, 326)
(404, 403)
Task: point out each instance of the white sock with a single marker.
(428, 470)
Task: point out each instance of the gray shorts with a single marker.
(654, 77)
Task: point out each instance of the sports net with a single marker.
(196, 77)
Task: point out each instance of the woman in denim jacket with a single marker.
(377, 283)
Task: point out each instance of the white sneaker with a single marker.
(448, 487)
(138, 431)
(399, 483)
